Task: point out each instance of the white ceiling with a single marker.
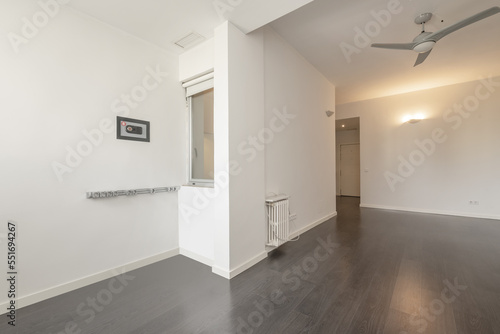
(162, 22)
(318, 28)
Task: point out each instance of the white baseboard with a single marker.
(241, 268)
(196, 257)
(435, 212)
(88, 280)
(221, 272)
(312, 225)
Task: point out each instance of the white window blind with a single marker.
(199, 84)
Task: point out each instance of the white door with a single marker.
(349, 170)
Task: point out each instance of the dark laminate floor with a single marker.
(388, 272)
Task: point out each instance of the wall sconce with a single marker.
(329, 113)
(412, 119)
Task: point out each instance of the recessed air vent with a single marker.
(190, 40)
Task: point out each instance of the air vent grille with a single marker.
(190, 40)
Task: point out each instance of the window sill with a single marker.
(198, 185)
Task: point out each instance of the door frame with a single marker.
(340, 168)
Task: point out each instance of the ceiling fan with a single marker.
(425, 41)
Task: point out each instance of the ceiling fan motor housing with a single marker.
(423, 44)
(424, 47)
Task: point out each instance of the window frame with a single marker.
(191, 91)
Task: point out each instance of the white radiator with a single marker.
(278, 224)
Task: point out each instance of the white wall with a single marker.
(300, 160)
(246, 119)
(68, 79)
(196, 223)
(239, 222)
(196, 208)
(341, 138)
(221, 225)
(224, 226)
(458, 163)
(196, 61)
(259, 81)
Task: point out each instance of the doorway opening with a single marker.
(348, 157)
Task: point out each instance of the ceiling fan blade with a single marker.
(459, 25)
(394, 46)
(421, 57)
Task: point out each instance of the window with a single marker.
(201, 108)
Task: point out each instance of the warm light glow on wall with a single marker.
(413, 118)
